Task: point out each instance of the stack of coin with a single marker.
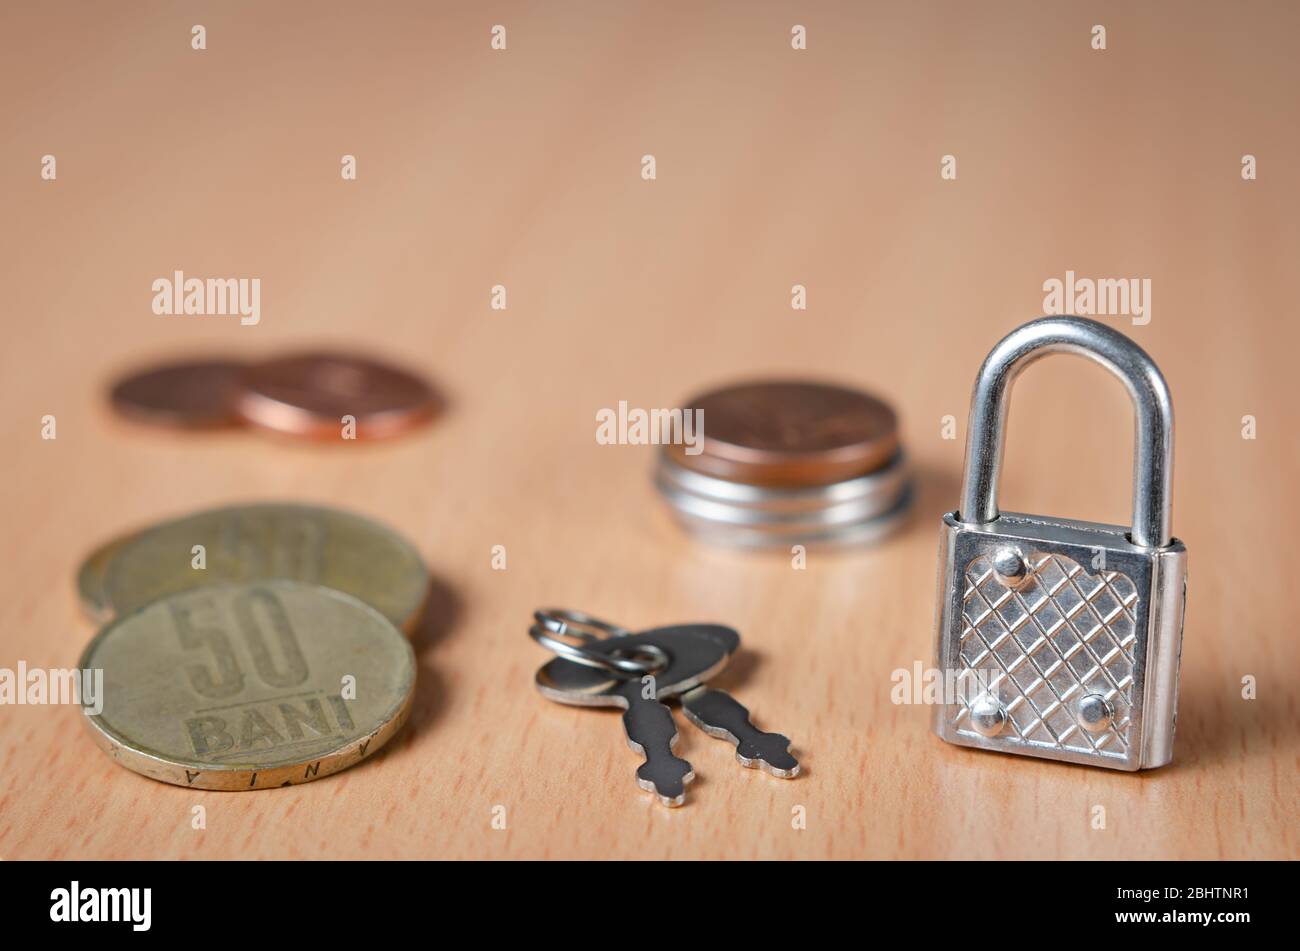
(782, 463)
(253, 646)
(322, 396)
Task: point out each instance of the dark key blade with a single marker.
(652, 733)
(721, 715)
(695, 652)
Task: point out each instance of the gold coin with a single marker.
(90, 579)
(257, 542)
(239, 686)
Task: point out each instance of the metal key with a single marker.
(693, 654)
(721, 715)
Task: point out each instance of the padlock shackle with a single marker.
(1153, 451)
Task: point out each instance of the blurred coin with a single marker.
(790, 512)
(271, 540)
(309, 394)
(196, 395)
(249, 686)
(876, 491)
(778, 535)
(91, 576)
(790, 433)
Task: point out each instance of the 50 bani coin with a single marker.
(249, 685)
(91, 576)
(257, 542)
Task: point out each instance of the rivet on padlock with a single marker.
(1074, 628)
(1010, 567)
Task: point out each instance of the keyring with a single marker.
(563, 622)
(570, 623)
(619, 666)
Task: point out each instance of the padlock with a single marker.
(1060, 638)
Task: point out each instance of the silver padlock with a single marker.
(1061, 638)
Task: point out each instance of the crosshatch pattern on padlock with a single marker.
(1064, 634)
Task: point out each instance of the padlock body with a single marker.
(1062, 638)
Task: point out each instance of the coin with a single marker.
(194, 395)
(790, 433)
(91, 576)
(310, 394)
(849, 534)
(858, 511)
(250, 685)
(271, 540)
(822, 505)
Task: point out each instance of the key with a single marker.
(721, 715)
(694, 652)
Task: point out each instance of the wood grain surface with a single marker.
(775, 167)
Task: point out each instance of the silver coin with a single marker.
(857, 511)
(851, 499)
(867, 531)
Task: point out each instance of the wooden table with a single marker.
(775, 167)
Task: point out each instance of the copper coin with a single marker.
(790, 433)
(310, 394)
(198, 395)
